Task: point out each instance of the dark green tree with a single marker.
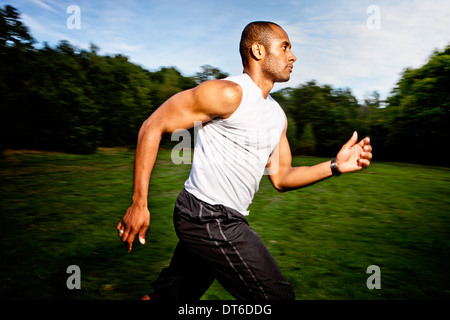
(64, 116)
(13, 33)
(327, 114)
(307, 141)
(209, 73)
(418, 112)
(16, 46)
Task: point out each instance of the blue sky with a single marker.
(332, 40)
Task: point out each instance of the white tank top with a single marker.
(231, 154)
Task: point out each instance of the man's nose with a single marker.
(292, 58)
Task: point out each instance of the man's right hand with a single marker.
(135, 220)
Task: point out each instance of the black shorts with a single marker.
(216, 242)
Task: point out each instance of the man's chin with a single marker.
(284, 79)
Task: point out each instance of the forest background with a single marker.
(74, 100)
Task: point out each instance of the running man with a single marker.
(241, 119)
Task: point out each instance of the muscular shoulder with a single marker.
(219, 98)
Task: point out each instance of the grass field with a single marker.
(58, 210)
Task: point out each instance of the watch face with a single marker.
(334, 167)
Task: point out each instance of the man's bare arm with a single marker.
(212, 99)
(352, 157)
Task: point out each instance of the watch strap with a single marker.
(334, 168)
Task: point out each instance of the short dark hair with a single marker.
(255, 32)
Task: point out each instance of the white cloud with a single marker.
(37, 27)
(44, 5)
(330, 38)
(336, 47)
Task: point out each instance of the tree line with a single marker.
(411, 125)
(74, 100)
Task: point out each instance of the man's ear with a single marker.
(258, 51)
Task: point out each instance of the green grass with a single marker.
(58, 210)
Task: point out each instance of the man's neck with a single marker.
(261, 81)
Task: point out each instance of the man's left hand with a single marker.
(354, 156)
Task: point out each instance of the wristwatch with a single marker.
(334, 168)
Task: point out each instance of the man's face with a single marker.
(279, 59)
